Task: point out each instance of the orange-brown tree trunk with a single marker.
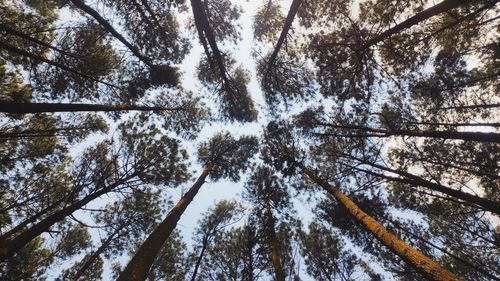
(138, 267)
(275, 252)
(424, 264)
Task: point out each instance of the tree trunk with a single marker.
(284, 32)
(17, 107)
(442, 7)
(424, 264)
(10, 247)
(383, 133)
(88, 263)
(13, 49)
(138, 267)
(207, 35)
(483, 203)
(275, 253)
(104, 23)
(200, 257)
(475, 106)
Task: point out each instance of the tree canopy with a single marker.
(249, 140)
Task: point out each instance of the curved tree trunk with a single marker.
(140, 264)
(424, 264)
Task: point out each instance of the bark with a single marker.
(475, 106)
(140, 264)
(383, 133)
(29, 220)
(483, 203)
(200, 257)
(442, 7)
(275, 252)
(286, 28)
(207, 37)
(445, 251)
(17, 107)
(13, 49)
(10, 247)
(469, 16)
(104, 23)
(88, 263)
(422, 263)
(14, 32)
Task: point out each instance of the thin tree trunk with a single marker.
(10, 247)
(93, 13)
(11, 31)
(275, 253)
(416, 19)
(18, 107)
(88, 263)
(207, 35)
(11, 48)
(138, 267)
(200, 257)
(469, 16)
(284, 32)
(382, 133)
(483, 203)
(475, 106)
(424, 264)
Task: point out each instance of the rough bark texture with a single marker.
(275, 252)
(17, 107)
(139, 265)
(424, 264)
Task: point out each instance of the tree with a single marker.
(222, 156)
(213, 222)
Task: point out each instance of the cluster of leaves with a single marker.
(391, 108)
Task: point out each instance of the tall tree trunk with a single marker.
(383, 133)
(483, 203)
(207, 35)
(104, 23)
(9, 247)
(24, 53)
(275, 252)
(88, 263)
(416, 19)
(424, 264)
(294, 8)
(200, 257)
(18, 107)
(138, 267)
(475, 106)
(11, 31)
